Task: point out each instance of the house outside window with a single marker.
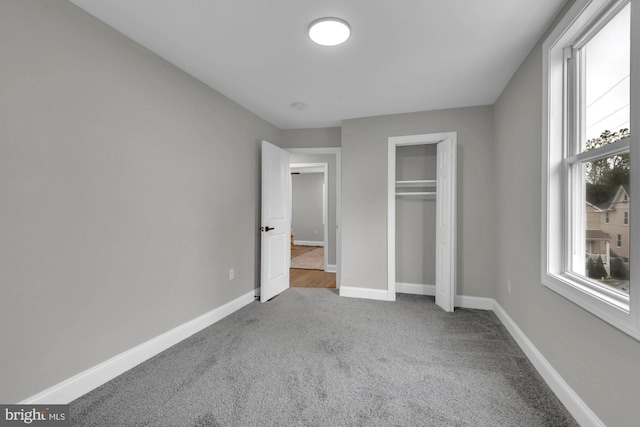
(587, 152)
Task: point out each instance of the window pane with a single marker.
(607, 215)
(607, 70)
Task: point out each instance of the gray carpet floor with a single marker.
(310, 357)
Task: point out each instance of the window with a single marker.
(587, 153)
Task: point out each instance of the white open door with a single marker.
(275, 227)
(445, 228)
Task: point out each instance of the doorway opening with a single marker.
(309, 226)
(327, 162)
(276, 210)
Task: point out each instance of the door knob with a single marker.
(267, 228)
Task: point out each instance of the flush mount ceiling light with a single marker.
(329, 31)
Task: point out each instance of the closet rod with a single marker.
(417, 183)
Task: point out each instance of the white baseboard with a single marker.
(478, 303)
(366, 293)
(461, 300)
(574, 404)
(415, 289)
(86, 381)
(80, 384)
(331, 268)
(308, 243)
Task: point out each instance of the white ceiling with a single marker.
(403, 55)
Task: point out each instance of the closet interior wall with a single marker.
(416, 216)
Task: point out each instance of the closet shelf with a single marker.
(417, 193)
(416, 183)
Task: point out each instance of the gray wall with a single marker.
(128, 190)
(599, 362)
(311, 138)
(307, 206)
(416, 217)
(364, 194)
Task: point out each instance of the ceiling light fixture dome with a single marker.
(329, 31)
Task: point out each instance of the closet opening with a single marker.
(422, 212)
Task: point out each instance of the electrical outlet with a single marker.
(509, 286)
(232, 274)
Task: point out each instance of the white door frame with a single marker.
(394, 142)
(336, 151)
(322, 168)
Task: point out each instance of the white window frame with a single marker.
(559, 106)
(626, 218)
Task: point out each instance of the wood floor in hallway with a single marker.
(303, 278)
(311, 279)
